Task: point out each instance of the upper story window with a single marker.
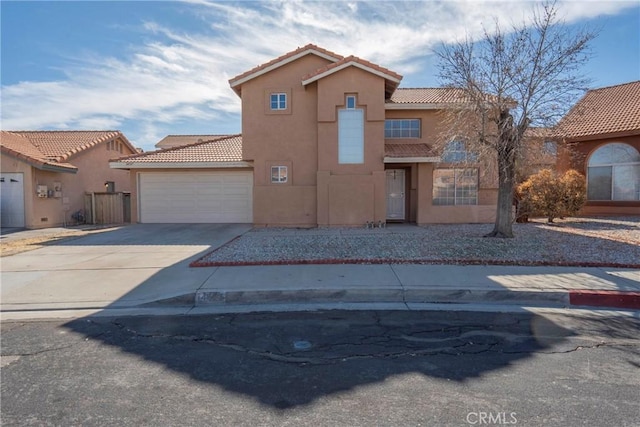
(351, 102)
(456, 152)
(278, 101)
(351, 133)
(402, 128)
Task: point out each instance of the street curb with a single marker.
(374, 261)
(613, 299)
(218, 297)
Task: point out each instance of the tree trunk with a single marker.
(506, 183)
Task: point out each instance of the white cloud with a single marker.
(181, 73)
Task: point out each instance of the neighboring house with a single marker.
(171, 141)
(326, 140)
(45, 174)
(601, 139)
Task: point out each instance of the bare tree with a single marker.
(528, 76)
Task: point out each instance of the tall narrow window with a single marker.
(351, 102)
(278, 101)
(351, 133)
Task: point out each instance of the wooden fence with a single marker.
(107, 208)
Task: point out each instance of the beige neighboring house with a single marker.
(600, 137)
(326, 140)
(45, 174)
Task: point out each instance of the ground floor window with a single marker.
(455, 186)
(613, 173)
(279, 174)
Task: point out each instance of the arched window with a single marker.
(613, 173)
(456, 152)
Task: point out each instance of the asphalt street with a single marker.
(331, 368)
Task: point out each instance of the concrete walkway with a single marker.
(145, 267)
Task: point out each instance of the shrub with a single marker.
(546, 194)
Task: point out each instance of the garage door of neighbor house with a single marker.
(196, 197)
(12, 199)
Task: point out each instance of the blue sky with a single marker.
(156, 68)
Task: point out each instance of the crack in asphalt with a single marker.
(38, 352)
(468, 347)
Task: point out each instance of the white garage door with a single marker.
(12, 199)
(196, 197)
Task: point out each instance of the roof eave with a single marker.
(423, 106)
(179, 165)
(38, 164)
(56, 168)
(411, 159)
(597, 136)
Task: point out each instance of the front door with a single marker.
(395, 194)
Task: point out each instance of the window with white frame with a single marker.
(351, 102)
(456, 152)
(279, 174)
(402, 128)
(613, 173)
(351, 133)
(455, 186)
(278, 101)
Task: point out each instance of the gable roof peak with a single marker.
(237, 81)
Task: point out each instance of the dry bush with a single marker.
(546, 194)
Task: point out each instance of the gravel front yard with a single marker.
(573, 242)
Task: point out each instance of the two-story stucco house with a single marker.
(326, 140)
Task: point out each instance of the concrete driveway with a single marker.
(117, 268)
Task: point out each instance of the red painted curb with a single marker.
(614, 299)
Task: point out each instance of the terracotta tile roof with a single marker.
(310, 48)
(604, 111)
(51, 149)
(224, 149)
(408, 150)
(61, 145)
(178, 140)
(441, 95)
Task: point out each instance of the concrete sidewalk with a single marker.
(142, 268)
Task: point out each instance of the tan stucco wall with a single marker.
(351, 194)
(304, 137)
(93, 172)
(283, 138)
